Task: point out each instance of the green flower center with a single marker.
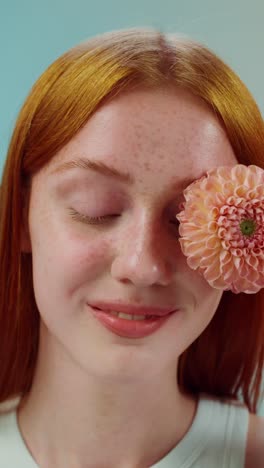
(248, 227)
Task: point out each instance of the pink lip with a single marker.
(129, 328)
(131, 309)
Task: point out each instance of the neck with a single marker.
(113, 422)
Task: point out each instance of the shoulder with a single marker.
(254, 456)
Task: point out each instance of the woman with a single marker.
(106, 142)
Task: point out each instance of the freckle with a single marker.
(147, 166)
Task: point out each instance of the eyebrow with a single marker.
(97, 166)
(108, 170)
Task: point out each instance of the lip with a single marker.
(130, 328)
(131, 309)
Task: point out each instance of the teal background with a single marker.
(34, 33)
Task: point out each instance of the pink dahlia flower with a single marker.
(222, 227)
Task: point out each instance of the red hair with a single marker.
(226, 360)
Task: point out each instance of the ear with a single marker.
(25, 241)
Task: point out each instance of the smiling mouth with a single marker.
(130, 326)
(133, 317)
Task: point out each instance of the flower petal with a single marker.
(222, 227)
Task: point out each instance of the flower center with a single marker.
(248, 227)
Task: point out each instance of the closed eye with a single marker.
(90, 219)
(102, 219)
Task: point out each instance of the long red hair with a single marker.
(227, 358)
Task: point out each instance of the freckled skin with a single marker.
(162, 138)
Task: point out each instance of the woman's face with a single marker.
(163, 139)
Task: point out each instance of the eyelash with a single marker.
(89, 219)
(99, 219)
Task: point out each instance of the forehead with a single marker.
(164, 134)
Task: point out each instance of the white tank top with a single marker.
(216, 439)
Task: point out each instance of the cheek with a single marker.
(207, 301)
(206, 295)
(65, 261)
(86, 259)
(194, 282)
(205, 298)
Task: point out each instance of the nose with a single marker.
(146, 256)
